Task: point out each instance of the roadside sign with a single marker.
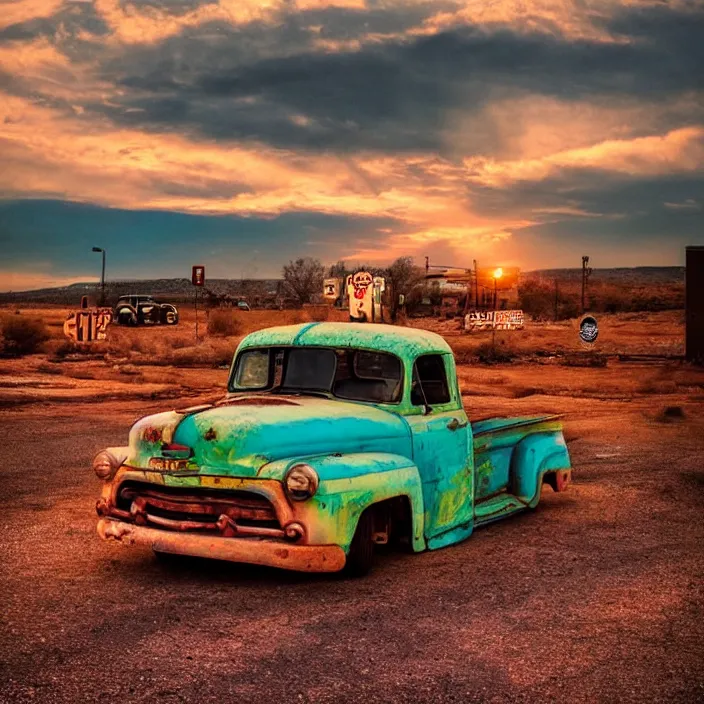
(588, 331)
(86, 325)
(198, 275)
(478, 320)
(331, 289)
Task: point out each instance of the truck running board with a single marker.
(496, 508)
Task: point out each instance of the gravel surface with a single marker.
(596, 596)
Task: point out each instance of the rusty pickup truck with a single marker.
(332, 438)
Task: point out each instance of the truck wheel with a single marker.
(171, 318)
(558, 481)
(127, 318)
(361, 553)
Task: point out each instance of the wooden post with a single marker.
(556, 299)
(196, 308)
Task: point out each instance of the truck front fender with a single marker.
(350, 483)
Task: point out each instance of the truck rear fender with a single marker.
(349, 484)
(534, 456)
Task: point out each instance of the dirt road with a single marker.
(595, 597)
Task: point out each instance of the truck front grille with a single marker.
(197, 509)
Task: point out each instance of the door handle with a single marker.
(454, 424)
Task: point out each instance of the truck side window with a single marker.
(429, 371)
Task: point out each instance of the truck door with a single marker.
(442, 451)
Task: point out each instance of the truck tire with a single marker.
(361, 554)
(127, 317)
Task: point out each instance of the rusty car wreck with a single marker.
(332, 438)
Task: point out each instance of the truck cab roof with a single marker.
(403, 342)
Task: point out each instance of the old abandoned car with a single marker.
(144, 310)
(332, 438)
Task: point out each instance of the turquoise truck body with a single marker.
(308, 480)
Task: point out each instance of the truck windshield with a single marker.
(356, 375)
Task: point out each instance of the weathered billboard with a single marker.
(477, 320)
(364, 292)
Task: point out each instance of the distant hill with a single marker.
(628, 276)
(264, 290)
(172, 290)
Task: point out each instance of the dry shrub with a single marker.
(178, 343)
(487, 353)
(223, 323)
(525, 392)
(80, 374)
(47, 368)
(585, 359)
(206, 355)
(63, 349)
(670, 414)
(658, 386)
(21, 336)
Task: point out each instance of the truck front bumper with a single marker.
(274, 553)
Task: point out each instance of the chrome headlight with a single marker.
(301, 482)
(105, 465)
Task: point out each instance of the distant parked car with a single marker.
(243, 305)
(144, 310)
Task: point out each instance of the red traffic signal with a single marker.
(198, 276)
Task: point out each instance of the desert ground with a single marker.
(596, 596)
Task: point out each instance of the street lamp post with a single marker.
(497, 275)
(102, 276)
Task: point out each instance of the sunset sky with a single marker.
(242, 133)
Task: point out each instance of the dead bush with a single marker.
(21, 336)
(223, 323)
(658, 386)
(178, 343)
(488, 353)
(586, 359)
(47, 368)
(203, 356)
(524, 392)
(670, 414)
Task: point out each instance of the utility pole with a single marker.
(476, 286)
(102, 276)
(586, 273)
(427, 266)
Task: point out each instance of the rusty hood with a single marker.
(239, 436)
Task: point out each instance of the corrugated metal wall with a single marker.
(694, 302)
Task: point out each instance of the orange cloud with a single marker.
(677, 151)
(23, 10)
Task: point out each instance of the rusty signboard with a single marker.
(88, 325)
(331, 289)
(477, 320)
(364, 291)
(198, 275)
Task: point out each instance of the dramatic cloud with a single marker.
(445, 128)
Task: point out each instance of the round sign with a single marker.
(588, 330)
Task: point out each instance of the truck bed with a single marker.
(495, 425)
